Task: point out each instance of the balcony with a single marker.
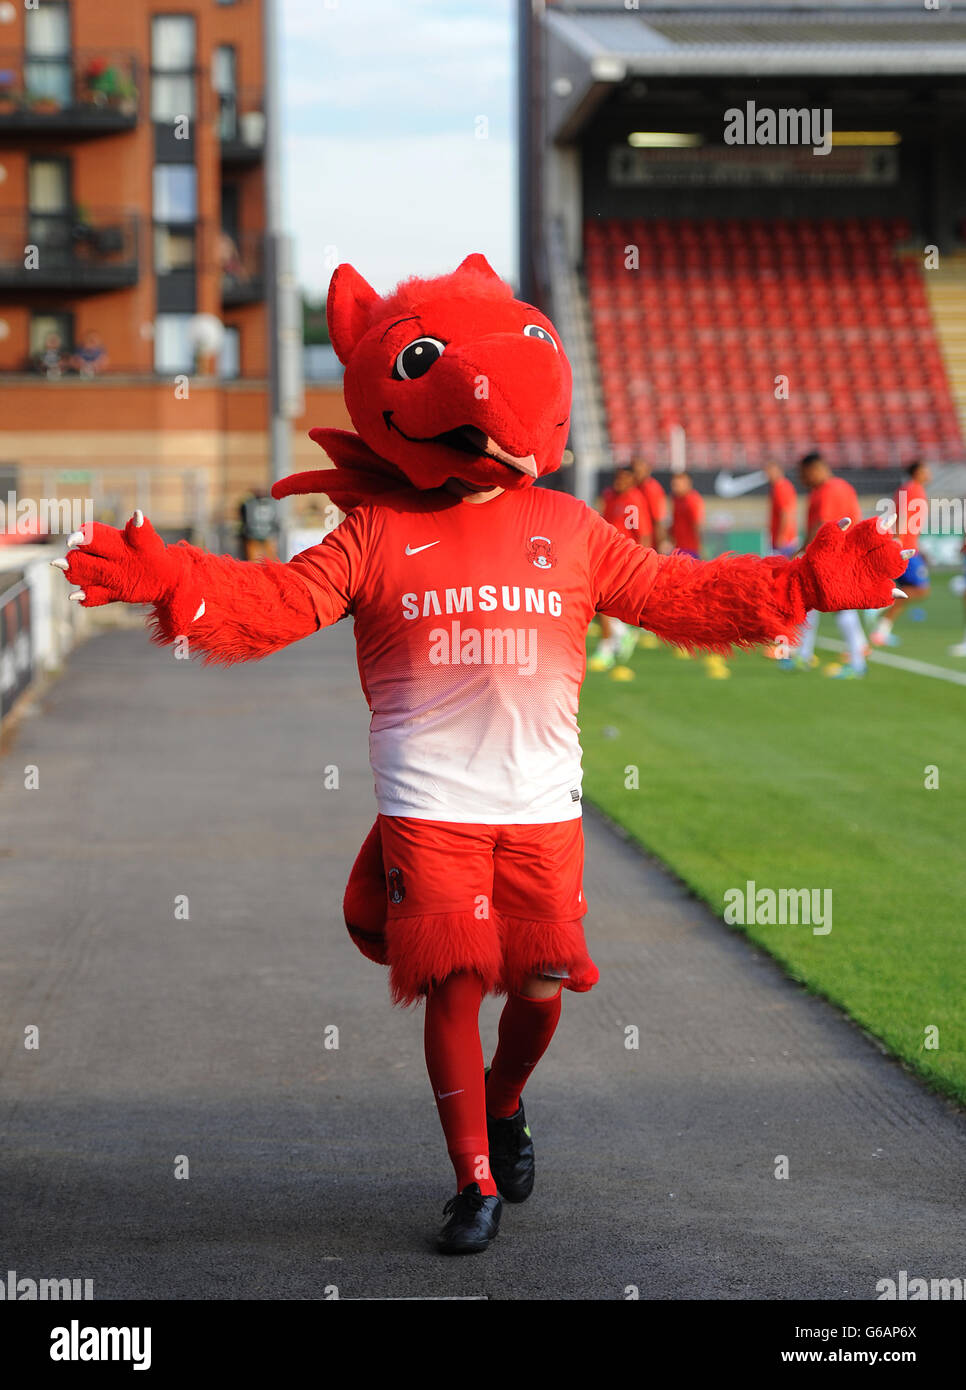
(242, 262)
(83, 251)
(89, 91)
(241, 125)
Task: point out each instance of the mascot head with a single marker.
(444, 378)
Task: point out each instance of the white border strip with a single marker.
(904, 663)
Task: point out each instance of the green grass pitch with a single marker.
(793, 780)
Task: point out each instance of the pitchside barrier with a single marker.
(38, 625)
(16, 648)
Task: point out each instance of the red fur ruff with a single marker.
(423, 949)
(531, 946)
(503, 951)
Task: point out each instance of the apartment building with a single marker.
(133, 319)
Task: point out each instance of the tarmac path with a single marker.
(312, 1166)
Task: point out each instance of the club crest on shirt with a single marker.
(397, 889)
(540, 552)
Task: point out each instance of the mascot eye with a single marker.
(416, 359)
(533, 330)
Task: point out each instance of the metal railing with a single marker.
(92, 248)
(587, 427)
(241, 123)
(86, 87)
(241, 260)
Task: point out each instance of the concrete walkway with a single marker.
(205, 1038)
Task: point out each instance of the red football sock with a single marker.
(526, 1027)
(454, 1059)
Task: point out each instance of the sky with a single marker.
(398, 135)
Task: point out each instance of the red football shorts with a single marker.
(429, 898)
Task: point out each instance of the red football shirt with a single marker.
(831, 501)
(784, 499)
(912, 504)
(470, 628)
(687, 517)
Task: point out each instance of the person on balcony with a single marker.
(51, 359)
(90, 359)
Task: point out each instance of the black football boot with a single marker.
(511, 1154)
(474, 1222)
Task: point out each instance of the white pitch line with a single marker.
(904, 663)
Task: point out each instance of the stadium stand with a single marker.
(755, 260)
(716, 310)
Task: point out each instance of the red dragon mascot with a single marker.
(471, 592)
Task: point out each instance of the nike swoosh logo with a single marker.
(443, 1094)
(414, 550)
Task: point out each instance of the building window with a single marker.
(225, 82)
(173, 347)
(48, 184)
(229, 359)
(175, 193)
(47, 66)
(50, 218)
(174, 249)
(172, 67)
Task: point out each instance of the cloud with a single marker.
(399, 206)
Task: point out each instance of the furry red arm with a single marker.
(741, 600)
(247, 610)
(231, 610)
(717, 605)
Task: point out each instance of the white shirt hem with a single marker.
(447, 813)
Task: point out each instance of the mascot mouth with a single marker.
(467, 439)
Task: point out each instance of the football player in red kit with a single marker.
(912, 518)
(783, 518)
(471, 591)
(687, 516)
(625, 506)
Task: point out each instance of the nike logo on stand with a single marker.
(414, 550)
